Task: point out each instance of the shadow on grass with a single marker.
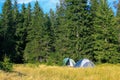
(18, 73)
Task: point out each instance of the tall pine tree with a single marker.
(8, 30)
(76, 28)
(105, 37)
(17, 57)
(33, 48)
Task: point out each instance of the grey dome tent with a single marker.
(68, 62)
(84, 63)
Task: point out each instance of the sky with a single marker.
(46, 5)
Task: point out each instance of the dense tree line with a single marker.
(76, 30)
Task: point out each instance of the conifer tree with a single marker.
(60, 32)
(76, 27)
(17, 57)
(105, 45)
(118, 23)
(34, 47)
(8, 29)
(1, 40)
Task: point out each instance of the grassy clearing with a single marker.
(43, 72)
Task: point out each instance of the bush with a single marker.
(6, 65)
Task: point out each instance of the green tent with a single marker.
(68, 62)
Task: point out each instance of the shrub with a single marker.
(6, 65)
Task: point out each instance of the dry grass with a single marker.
(43, 72)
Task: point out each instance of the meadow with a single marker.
(44, 72)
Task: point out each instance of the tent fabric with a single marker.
(68, 62)
(84, 63)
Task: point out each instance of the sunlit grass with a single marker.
(43, 72)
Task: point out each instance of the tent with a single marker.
(84, 63)
(68, 62)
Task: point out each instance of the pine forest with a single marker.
(76, 30)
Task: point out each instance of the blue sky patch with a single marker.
(46, 5)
